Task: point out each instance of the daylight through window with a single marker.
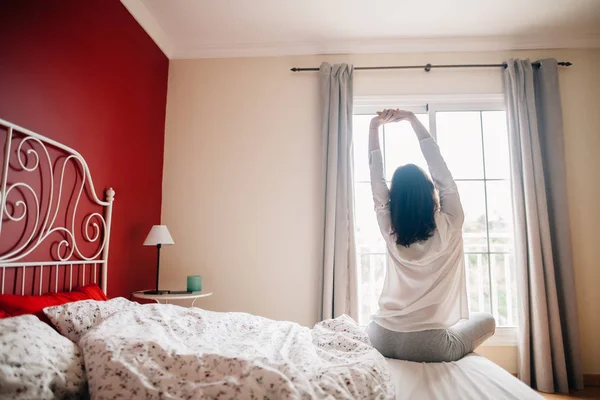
(474, 143)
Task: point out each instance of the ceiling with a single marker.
(246, 28)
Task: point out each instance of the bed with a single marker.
(109, 348)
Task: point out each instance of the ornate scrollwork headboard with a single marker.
(54, 230)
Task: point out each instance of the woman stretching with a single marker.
(423, 313)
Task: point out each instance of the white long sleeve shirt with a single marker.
(425, 285)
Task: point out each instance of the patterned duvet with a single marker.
(170, 352)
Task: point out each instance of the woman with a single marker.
(423, 313)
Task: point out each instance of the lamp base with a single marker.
(156, 291)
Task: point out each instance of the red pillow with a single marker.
(3, 314)
(93, 291)
(15, 305)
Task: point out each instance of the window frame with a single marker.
(431, 104)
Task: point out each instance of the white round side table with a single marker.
(176, 296)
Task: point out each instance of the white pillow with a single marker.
(38, 363)
(75, 319)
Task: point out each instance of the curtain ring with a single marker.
(427, 67)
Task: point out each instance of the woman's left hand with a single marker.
(389, 116)
(401, 115)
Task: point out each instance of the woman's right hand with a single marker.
(389, 116)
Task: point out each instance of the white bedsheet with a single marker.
(473, 377)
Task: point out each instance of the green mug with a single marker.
(194, 283)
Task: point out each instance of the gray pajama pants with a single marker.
(434, 345)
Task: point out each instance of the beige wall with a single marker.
(242, 189)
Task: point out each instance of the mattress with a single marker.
(473, 377)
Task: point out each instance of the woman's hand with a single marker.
(389, 116)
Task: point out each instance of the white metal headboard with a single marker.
(26, 152)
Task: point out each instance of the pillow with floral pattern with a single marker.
(36, 362)
(74, 320)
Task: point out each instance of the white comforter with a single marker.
(170, 352)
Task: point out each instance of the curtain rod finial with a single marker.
(295, 69)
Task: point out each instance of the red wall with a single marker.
(83, 72)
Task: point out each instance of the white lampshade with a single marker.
(159, 234)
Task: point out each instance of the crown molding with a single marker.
(174, 50)
(414, 45)
(147, 21)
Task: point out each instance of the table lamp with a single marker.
(158, 236)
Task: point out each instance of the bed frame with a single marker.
(45, 216)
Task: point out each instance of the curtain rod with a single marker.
(428, 67)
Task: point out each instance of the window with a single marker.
(474, 142)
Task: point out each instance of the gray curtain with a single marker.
(339, 291)
(549, 355)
